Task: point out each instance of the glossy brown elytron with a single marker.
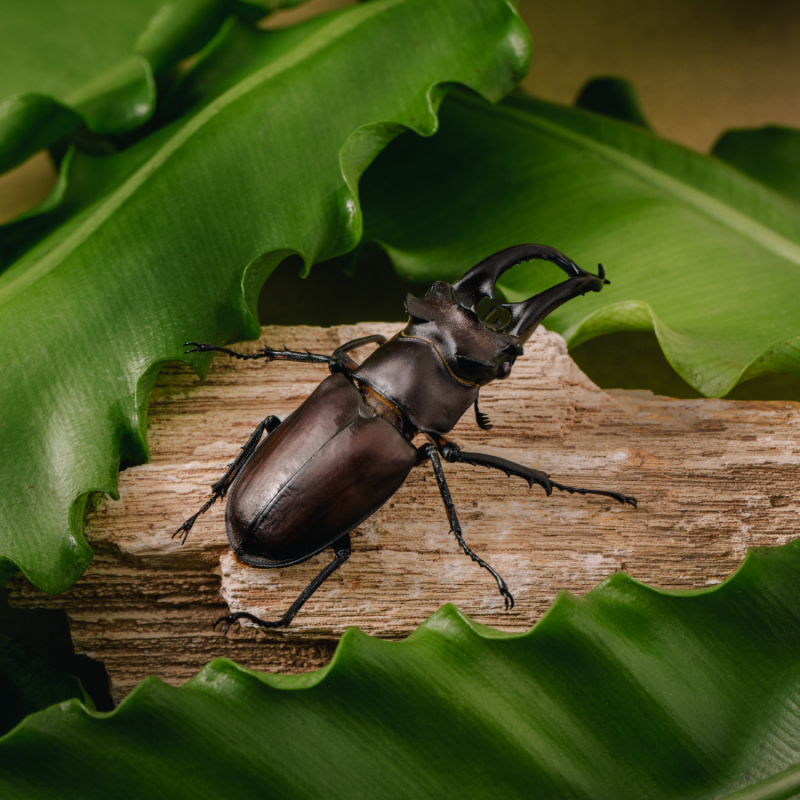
(349, 447)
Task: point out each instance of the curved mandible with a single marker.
(479, 282)
(527, 315)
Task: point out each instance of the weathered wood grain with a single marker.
(712, 478)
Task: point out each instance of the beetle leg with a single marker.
(376, 338)
(268, 354)
(429, 451)
(208, 348)
(341, 547)
(482, 419)
(220, 488)
(338, 362)
(341, 362)
(452, 453)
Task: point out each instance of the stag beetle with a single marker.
(338, 458)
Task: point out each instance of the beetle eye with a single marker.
(504, 370)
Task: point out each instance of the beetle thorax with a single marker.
(472, 350)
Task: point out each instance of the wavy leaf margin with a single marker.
(76, 394)
(695, 250)
(627, 692)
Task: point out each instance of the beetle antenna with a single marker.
(482, 419)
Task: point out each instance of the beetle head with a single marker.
(475, 350)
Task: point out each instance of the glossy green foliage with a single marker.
(629, 692)
(95, 62)
(696, 251)
(30, 684)
(171, 239)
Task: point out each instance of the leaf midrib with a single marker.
(341, 23)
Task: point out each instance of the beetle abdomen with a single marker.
(329, 466)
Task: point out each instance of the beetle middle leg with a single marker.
(220, 488)
(429, 451)
(341, 548)
(454, 454)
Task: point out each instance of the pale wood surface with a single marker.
(713, 477)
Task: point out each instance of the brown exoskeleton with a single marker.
(348, 448)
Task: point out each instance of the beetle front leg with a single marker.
(454, 454)
(336, 362)
(429, 451)
(220, 488)
(354, 344)
(342, 550)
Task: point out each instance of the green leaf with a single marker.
(30, 684)
(613, 97)
(634, 360)
(628, 692)
(696, 252)
(94, 62)
(172, 239)
(770, 155)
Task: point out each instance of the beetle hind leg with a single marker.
(429, 451)
(220, 488)
(341, 548)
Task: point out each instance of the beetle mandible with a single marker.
(348, 448)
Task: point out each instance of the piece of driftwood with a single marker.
(712, 478)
